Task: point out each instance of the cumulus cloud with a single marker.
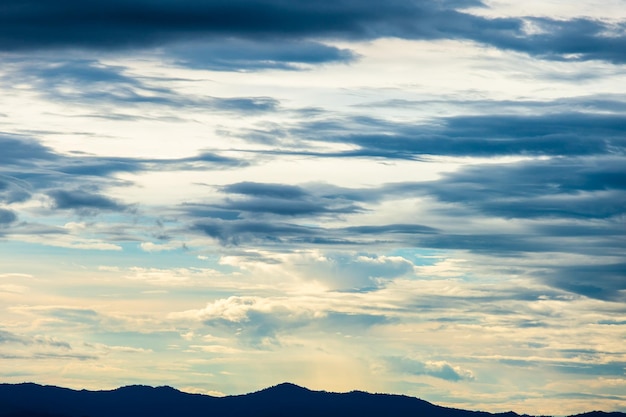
(356, 272)
(264, 322)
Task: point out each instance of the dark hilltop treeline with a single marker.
(284, 400)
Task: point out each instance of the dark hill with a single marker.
(284, 400)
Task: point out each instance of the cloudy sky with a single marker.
(407, 196)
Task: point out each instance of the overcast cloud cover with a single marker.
(418, 197)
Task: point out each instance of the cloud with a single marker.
(116, 24)
(232, 54)
(600, 281)
(140, 24)
(263, 322)
(279, 214)
(23, 151)
(437, 369)
(13, 190)
(354, 272)
(554, 134)
(611, 368)
(251, 200)
(46, 356)
(258, 321)
(577, 39)
(49, 342)
(247, 232)
(229, 230)
(266, 190)
(80, 80)
(74, 181)
(7, 217)
(84, 202)
(8, 337)
(565, 188)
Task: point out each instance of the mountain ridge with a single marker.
(281, 400)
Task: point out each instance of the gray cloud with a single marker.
(230, 230)
(562, 134)
(90, 81)
(75, 181)
(50, 342)
(84, 202)
(265, 190)
(576, 188)
(116, 24)
(614, 368)
(8, 337)
(21, 152)
(600, 281)
(249, 232)
(252, 55)
(440, 369)
(7, 216)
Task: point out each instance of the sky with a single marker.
(403, 196)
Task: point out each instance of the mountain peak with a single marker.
(290, 385)
(285, 388)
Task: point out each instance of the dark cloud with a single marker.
(40, 24)
(570, 191)
(231, 230)
(84, 202)
(577, 39)
(266, 190)
(7, 216)
(497, 244)
(563, 134)
(579, 188)
(250, 200)
(248, 231)
(409, 229)
(250, 55)
(255, 212)
(115, 24)
(561, 205)
(600, 281)
(100, 166)
(282, 207)
(582, 368)
(20, 151)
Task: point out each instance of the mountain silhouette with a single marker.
(283, 400)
